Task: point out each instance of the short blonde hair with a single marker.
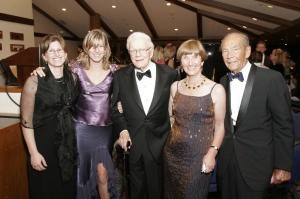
(191, 46)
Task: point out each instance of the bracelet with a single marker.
(214, 147)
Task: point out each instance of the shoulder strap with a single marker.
(212, 87)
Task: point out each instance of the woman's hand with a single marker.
(38, 72)
(38, 162)
(209, 160)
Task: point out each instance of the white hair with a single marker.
(139, 35)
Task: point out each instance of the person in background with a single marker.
(46, 117)
(143, 89)
(158, 55)
(257, 149)
(278, 58)
(169, 54)
(95, 177)
(261, 46)
(256, 58)
(197, 111)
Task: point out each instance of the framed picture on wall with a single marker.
(16, 47)
(0, 46)
(1, 34)
(16, 36)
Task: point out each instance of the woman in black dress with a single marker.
(47, 125)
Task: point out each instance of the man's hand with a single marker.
(124, 140)
(280, 176)
(38, 72)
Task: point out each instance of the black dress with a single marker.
(48, 112)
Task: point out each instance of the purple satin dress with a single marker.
(94, 133)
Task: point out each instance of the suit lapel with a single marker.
(228, 104)
(133, 87)
(159, 82)
(246, 96)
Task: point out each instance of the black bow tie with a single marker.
(140, 75)
(238, 76)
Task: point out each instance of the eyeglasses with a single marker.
(140, 51)
(58, 51)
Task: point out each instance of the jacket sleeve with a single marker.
(117, 117)
(280, 106)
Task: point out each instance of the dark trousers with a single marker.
(233, 186)
(145, 178)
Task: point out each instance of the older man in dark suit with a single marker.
(258, 145)
(143, 88)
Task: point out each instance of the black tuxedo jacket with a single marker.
(263, 140)
(149, 130)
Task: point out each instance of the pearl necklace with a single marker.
(194, 87)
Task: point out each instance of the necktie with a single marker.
(140, 75)
(238, 76)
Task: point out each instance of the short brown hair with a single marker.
(48, 39)
(191, 46)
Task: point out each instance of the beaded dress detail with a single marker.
(183, 154)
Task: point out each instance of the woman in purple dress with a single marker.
(95, 175)
(92, 118)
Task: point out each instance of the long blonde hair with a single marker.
(91, 40)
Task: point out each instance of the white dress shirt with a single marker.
(236, 92)
(146, 87)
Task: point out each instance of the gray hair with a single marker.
(244, 38)
(139, 35)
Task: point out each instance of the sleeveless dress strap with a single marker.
(213, 87)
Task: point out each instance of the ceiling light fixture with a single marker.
(254, 19)
(114, 6)
(168, 4)
(270, 6)
(130, 30)
(64, 9)
(228, 28)
(176, 29)
(244, 27)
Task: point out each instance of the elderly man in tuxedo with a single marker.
(143, 88)
(258, 145)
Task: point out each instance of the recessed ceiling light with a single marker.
(285, 44)
(64, 9)
(270, 6)
(176, 29)
(244, 27)
(130, 30)
(228, 28)
(254, 19)
(113, 6)
(168, 4)
(183, 0)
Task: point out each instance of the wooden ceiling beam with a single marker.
(289, 4)
(235, 21)
(146, 17)
(91, 12)
(211, 16)
(243, 11)
(54, 21)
